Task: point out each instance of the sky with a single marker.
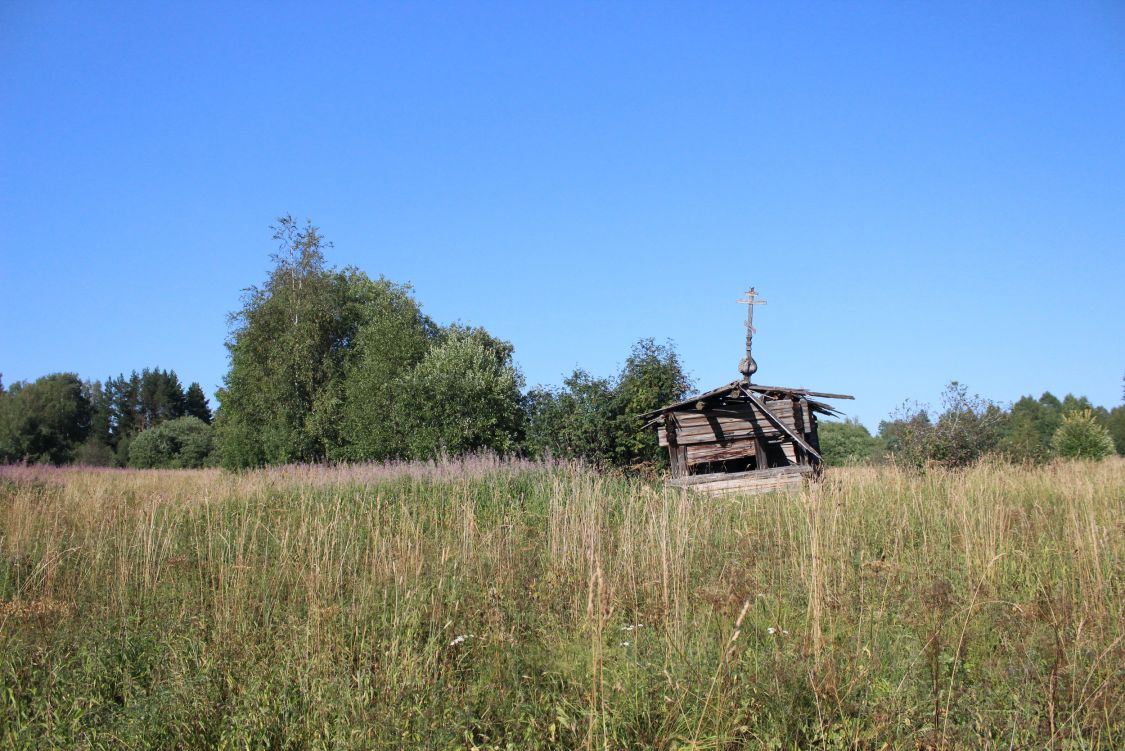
(923, 192)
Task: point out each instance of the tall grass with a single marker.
(507, 605)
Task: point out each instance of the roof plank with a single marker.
(739, 386)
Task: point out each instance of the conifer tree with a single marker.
(195, 403)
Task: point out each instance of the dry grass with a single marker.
(483, 604)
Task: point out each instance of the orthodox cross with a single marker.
(748, 367)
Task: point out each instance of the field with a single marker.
(491, 605)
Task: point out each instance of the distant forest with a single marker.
(330, 364)
(966, 428)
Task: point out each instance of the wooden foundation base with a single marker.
(746, 483)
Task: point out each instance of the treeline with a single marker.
(125, 421)
(330, 364)
(968, 427)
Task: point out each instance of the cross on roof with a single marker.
(748, 367)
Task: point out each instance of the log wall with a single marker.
(733, 432)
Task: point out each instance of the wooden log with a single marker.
(814, 437)
(750, 487)
(808, 427)
(722, 477)
(716, 452)
(676, 455)
(728, 428)
(768, 432)
(726, 414)
(799, 427)
(692, 428)
(755, 481)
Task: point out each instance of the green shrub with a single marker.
(463, 396)
(846, 443)
(94, 453)
(185, 442)
(597, 419)
(1081, 437)
(967, 428)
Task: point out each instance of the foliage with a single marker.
(847, 443)
(1080, 436)
(1115, 423)
(95, 453)
(282, 397)
(597, 419)
(1032, 424)
(126, 405)
(1025, 438)
(392, 339)
(144, 400)
(330, 364)
(101, 430)
(185, 442)
(967, 428)
(463, 396)
(575, 421)
(906, 426)
(448, 606)
(195, 403)
(44, 421)
(652, 377)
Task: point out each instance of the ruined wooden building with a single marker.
(743, 437)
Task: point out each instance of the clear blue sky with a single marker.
(922, 191)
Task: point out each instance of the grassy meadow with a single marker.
(491, 605)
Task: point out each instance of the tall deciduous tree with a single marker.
(97, 450)
(44, 421)
(393, 337)
(652, 377)
(330, 364)
(283, 397)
